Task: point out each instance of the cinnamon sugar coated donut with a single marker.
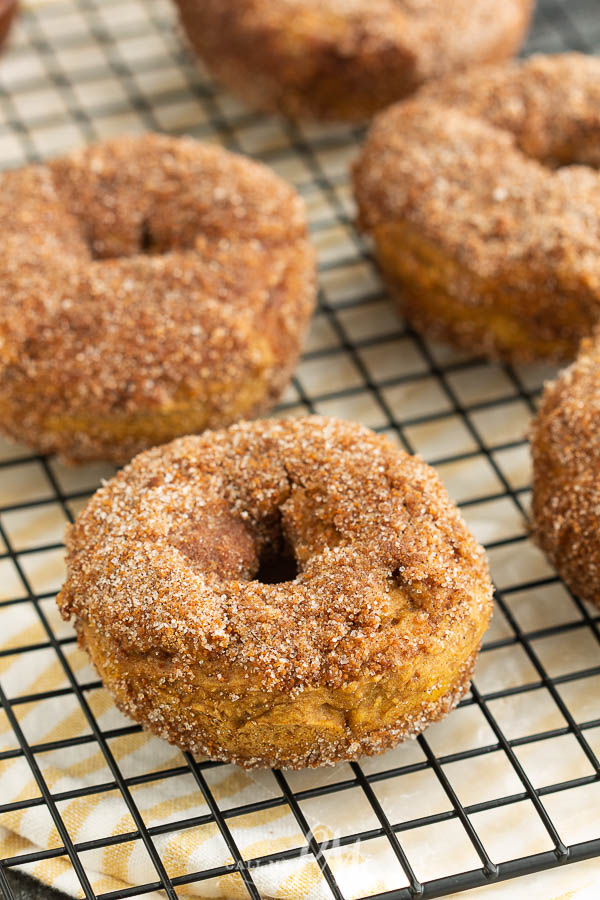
(8, 9)
(286, 593)
(149, 287)
(345, 59)
(565, 445)
(482, 196)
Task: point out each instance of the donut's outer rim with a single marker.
(187, 733)
(565, 449)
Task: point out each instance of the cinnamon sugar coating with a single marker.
(149, 287)
(483, 199)
(8, 9)
(345, 59)
(565, 445)
(374, 637)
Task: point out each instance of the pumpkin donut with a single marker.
(285, 593)
(8, 9)
(149, 287)
(345, 59)
(565, 444)
(482, 196)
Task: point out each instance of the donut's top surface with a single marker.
(179, 552)
(497, 165)
(566, 452)
(134, 267)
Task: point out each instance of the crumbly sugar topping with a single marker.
(498, 166)
(570, 410)
(165, 557)
(565, 445)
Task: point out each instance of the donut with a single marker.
(346, 59)
(482, 197)
(149, 287)
(278, 593)
(8, 9)
(565, 446)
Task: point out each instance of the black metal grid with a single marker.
(78, 72)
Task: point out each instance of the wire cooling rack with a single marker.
(527, 737)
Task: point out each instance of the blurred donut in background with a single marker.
(346, 59)
(8, 9)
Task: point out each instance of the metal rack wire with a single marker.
(79, 72)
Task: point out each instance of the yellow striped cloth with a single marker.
(361, 870)
(104, 814)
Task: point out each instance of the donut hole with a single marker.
(408, 595)
(556, 162)
(147, 242)
(558, 152)
(143, 242)
(397, 579)
(276, 562)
